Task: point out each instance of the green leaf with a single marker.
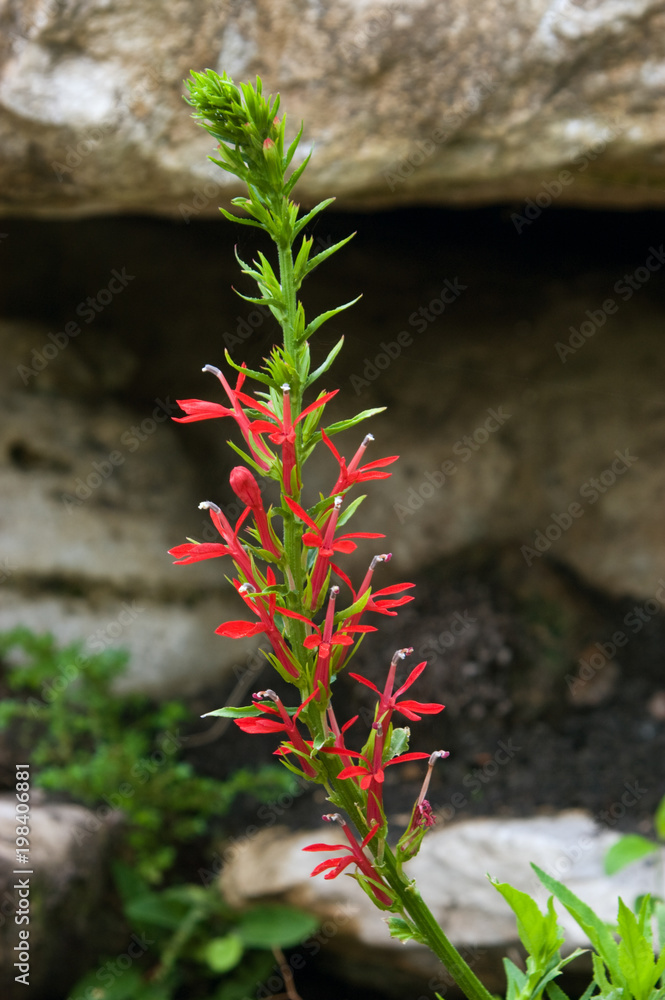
(403, 931)
(629, 849)
(590, 923)
(540, 935)
(310, 215)
(348, 513)
(320, 257)
(250, 372)
(229, 712)
(222, 953)
(323, 317)
(515, 980)
(636, 958)
(555, 992)
(275, 927)
(344, 425)
(659, 819)
(326, 364)
(399, 743)
(153, 908)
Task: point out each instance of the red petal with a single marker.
(363, 680)
(240, 630)
(312, 641)
(257, 725)
(199, 409)
(342, 545)
(189, 553)
(326, 847)
(354, 770)
(302, 514)
(407, 756)
(427, 708)
(317, 404)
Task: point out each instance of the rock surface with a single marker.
(407, 101)
(450, 872)
(68, 875)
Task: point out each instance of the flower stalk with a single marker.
(286, 556)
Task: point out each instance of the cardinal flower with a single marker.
(388, 702)
(335, 866)
(199, 409)
(281, 430)
(326, 542)
(278, 720)
(326, 639)
(190, 552)
(348, 476)
(372, 775)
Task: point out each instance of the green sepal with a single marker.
(270, 473)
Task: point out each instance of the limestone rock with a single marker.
(406, 100)
(64, 895)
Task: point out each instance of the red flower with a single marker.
(335, 866)
(326, 543)
(199, 409)
(282, 430)
(388, 702)
(190, 552)
(265, 607)
(348, 476)
(279, 721)
(324, 641)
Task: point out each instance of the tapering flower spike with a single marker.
(246, 488)
(199, 409)
(350, 475)
(335, 866)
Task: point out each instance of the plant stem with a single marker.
(414, 905)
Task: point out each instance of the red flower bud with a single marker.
(245, 487)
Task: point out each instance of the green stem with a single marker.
(414, 905)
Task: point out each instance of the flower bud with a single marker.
(245, 487)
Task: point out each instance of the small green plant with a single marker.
(632, 847)
(123, 752)
(626, 969)
(189, 937)
(114, 751)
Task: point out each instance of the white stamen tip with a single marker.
(368, 439)
(267, 695)
(211, 369)
(286, 387)
(209, 505)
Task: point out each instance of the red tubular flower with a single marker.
(324, 641)
(278, 721)
(388, 702)
(246, 488)
(335, 866)
(199, 409)
(372, 775)
(326, 543)
(191, 552)
(282, 431)
(348, 476)
(265, 610)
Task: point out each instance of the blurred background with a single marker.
(502, 166)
